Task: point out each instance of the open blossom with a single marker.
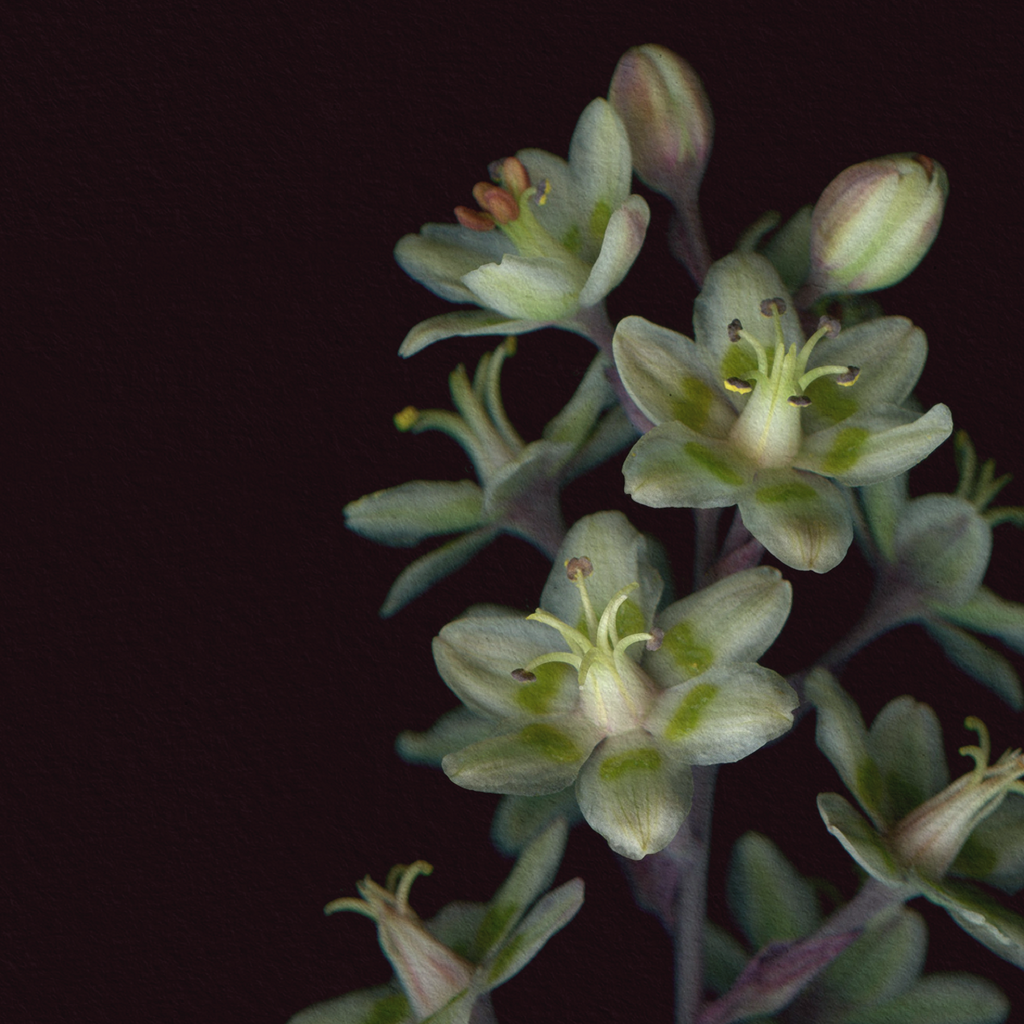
(551, 239)
(923, 827)
(595, 689)
(752, 414)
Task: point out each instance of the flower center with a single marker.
(510, 203)
(768, 430)
(931, 837)
(614, 691)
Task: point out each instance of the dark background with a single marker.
(203, 315)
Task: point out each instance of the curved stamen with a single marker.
(845, 375)
(573, 637)
(606, 626)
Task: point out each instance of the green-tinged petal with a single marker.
(563, 209)
(883, 963)
(724, 958)
(734, 290)
(843, 739)
(988, 613)
(789, 249)
(441, 254)
(883, 505)
(863, 843)
(875, 445)
(619, 555)
(454, 730)
(994, 851)
(635, 793)
(385, 1004)
(458, 1011)
(519, 818)
(733, 620)
(905, 742)
(665, 375)
(623, 238)
(802, 519)
(426, 571)
(601, 166)
(535, 288)
(464, 323)
(982, 663)
(541, 757)
(532, 875)
(551, 913)
(402, 516)
(980, 915)
(939, 999)
(672, 466)
(536, 466)
(890, 353)
(580, 414)
(768, 898)
(455, 925)
(613, 434)
(725, 714)
(477, 655)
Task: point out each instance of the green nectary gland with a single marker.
(687, 716)
(846, 450)
(550, 743)
(629, 762)
(537, 696)
(782, 494)
(712, 463)
(691, 656)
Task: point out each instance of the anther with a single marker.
(473, 219)
(514, 176)
(406, 419)
(850, 377)
(520, 675)
(927, 163)
(742, 387)
(800, 401)
(734, 330)
(496, 201)
(830, 325)
(657, 636)
(768, 304)
(578, 568)
(540, 197)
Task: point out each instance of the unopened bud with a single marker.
(874, 223)
(667, 116)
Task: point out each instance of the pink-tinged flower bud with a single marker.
(874, 223)
(667, 116)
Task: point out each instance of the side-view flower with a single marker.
(768, 421)
(551, 239)
(596, 689)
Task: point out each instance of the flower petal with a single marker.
(862, 842)
(940, 999)
(422, 574)
(562, 210)
(989, 667)
(384, 1003)
(526, 288)
(875, 445)
(441, 254)
(537, 465)
(519, 818)
(988, 613)
(735, 619)
(668, 379)
(734, 289)
(673, 466)
(725, 714)
(542, 757)
(890, 352)
(477, 655)
(463, 323)
(623, 237)
(454, 730)
(802, 519)
(635, 793)
(402, 516)
(601, 165)
(619, 556)
(994, 851)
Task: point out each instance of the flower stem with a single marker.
(687, 240)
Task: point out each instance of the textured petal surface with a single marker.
(982, 916)
(668, 379)
(441, 254)
(464, 322)
(402, 516)
(635, 794)
(385, 1004)
(533, 288)
(622, 240)
(861, 841)
(802, 519)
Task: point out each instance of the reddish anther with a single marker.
(473, 219)
(496, 201)
(927, 163)
(514, 176)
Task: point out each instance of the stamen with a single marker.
(741, 387)
(520, 675)
(555, 657)
(830, 326)
(654, 641)
(543, 190)
(980, 755)
(573, 637)
(501, 205)
(927, 163)
(514, 176)
(606, 627)
(406, 419)
(799, 401)
(768, 304)
(848, 378)
(845, 375)
(734, 329)
(473, 219)
(420, 867)
(575, 568)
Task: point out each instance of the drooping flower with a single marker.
(878, 978)
(519, 483)
(550, 241)
(772, 422)
(595, 689)
(445, 965)
(934, 550)
(924, 828)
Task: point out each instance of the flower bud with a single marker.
(667, 116)
(874, 223)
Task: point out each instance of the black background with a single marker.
(203, 315)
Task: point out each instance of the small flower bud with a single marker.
(667, 116)
(874, 223)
